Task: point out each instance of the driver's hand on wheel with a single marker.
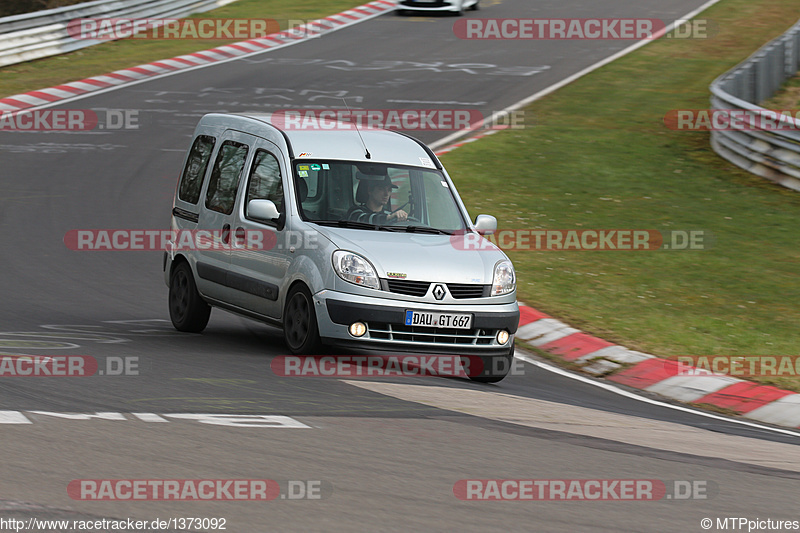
(399, 215)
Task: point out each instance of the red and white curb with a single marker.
(19, 102)
(480, 134)
(647, 372)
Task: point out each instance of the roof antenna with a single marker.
(366, 150)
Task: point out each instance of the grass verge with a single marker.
(600, 157)
(108, 57)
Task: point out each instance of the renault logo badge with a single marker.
(439, 292)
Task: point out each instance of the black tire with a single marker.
(300, 330)
(495, 367)
(476, 6)
(187, 309)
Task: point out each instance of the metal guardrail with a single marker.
(772, 153)
(44, 33)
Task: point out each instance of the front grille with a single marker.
(459, 291)
(464, 290)
(381, 331)
(407, 287)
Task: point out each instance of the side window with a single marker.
(192, 179)
(225, 177)
(265, 182)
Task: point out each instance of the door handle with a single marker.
(226, 234)
(239, 237)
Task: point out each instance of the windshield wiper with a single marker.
(426, 229)
(347, 224)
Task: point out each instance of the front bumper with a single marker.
(438, 5)
(386, 329)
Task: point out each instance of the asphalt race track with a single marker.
(385, 453)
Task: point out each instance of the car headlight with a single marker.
(504, 280)
(355, 269)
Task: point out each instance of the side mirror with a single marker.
(486, 224)
(263, 210)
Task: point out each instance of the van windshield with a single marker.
(376, 196)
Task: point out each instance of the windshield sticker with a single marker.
(325, 166)
(302, 167)
(315, 167)
(302, 173)
(426, 162)
(444, 184)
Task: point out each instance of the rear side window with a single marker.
(192, 179)
(225, 177)
(265, 180)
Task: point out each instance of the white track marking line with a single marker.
(621, 392)
(566, 81)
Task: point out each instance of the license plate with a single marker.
(438, 320)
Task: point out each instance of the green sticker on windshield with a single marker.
(302, 173)
(315, 167)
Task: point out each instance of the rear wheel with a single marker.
(495, 367)
(300, 322)
(187, 309)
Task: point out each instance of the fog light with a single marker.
(358, 329)
(502, 336)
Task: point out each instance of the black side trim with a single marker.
(211, 273)
(238, 281)
(186, 215)
(245, 313)
(252, 286)
(288, 144)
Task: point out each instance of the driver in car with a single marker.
(373, 211)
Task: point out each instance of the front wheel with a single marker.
(495, 367)
(300, 322)
(187, 309)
